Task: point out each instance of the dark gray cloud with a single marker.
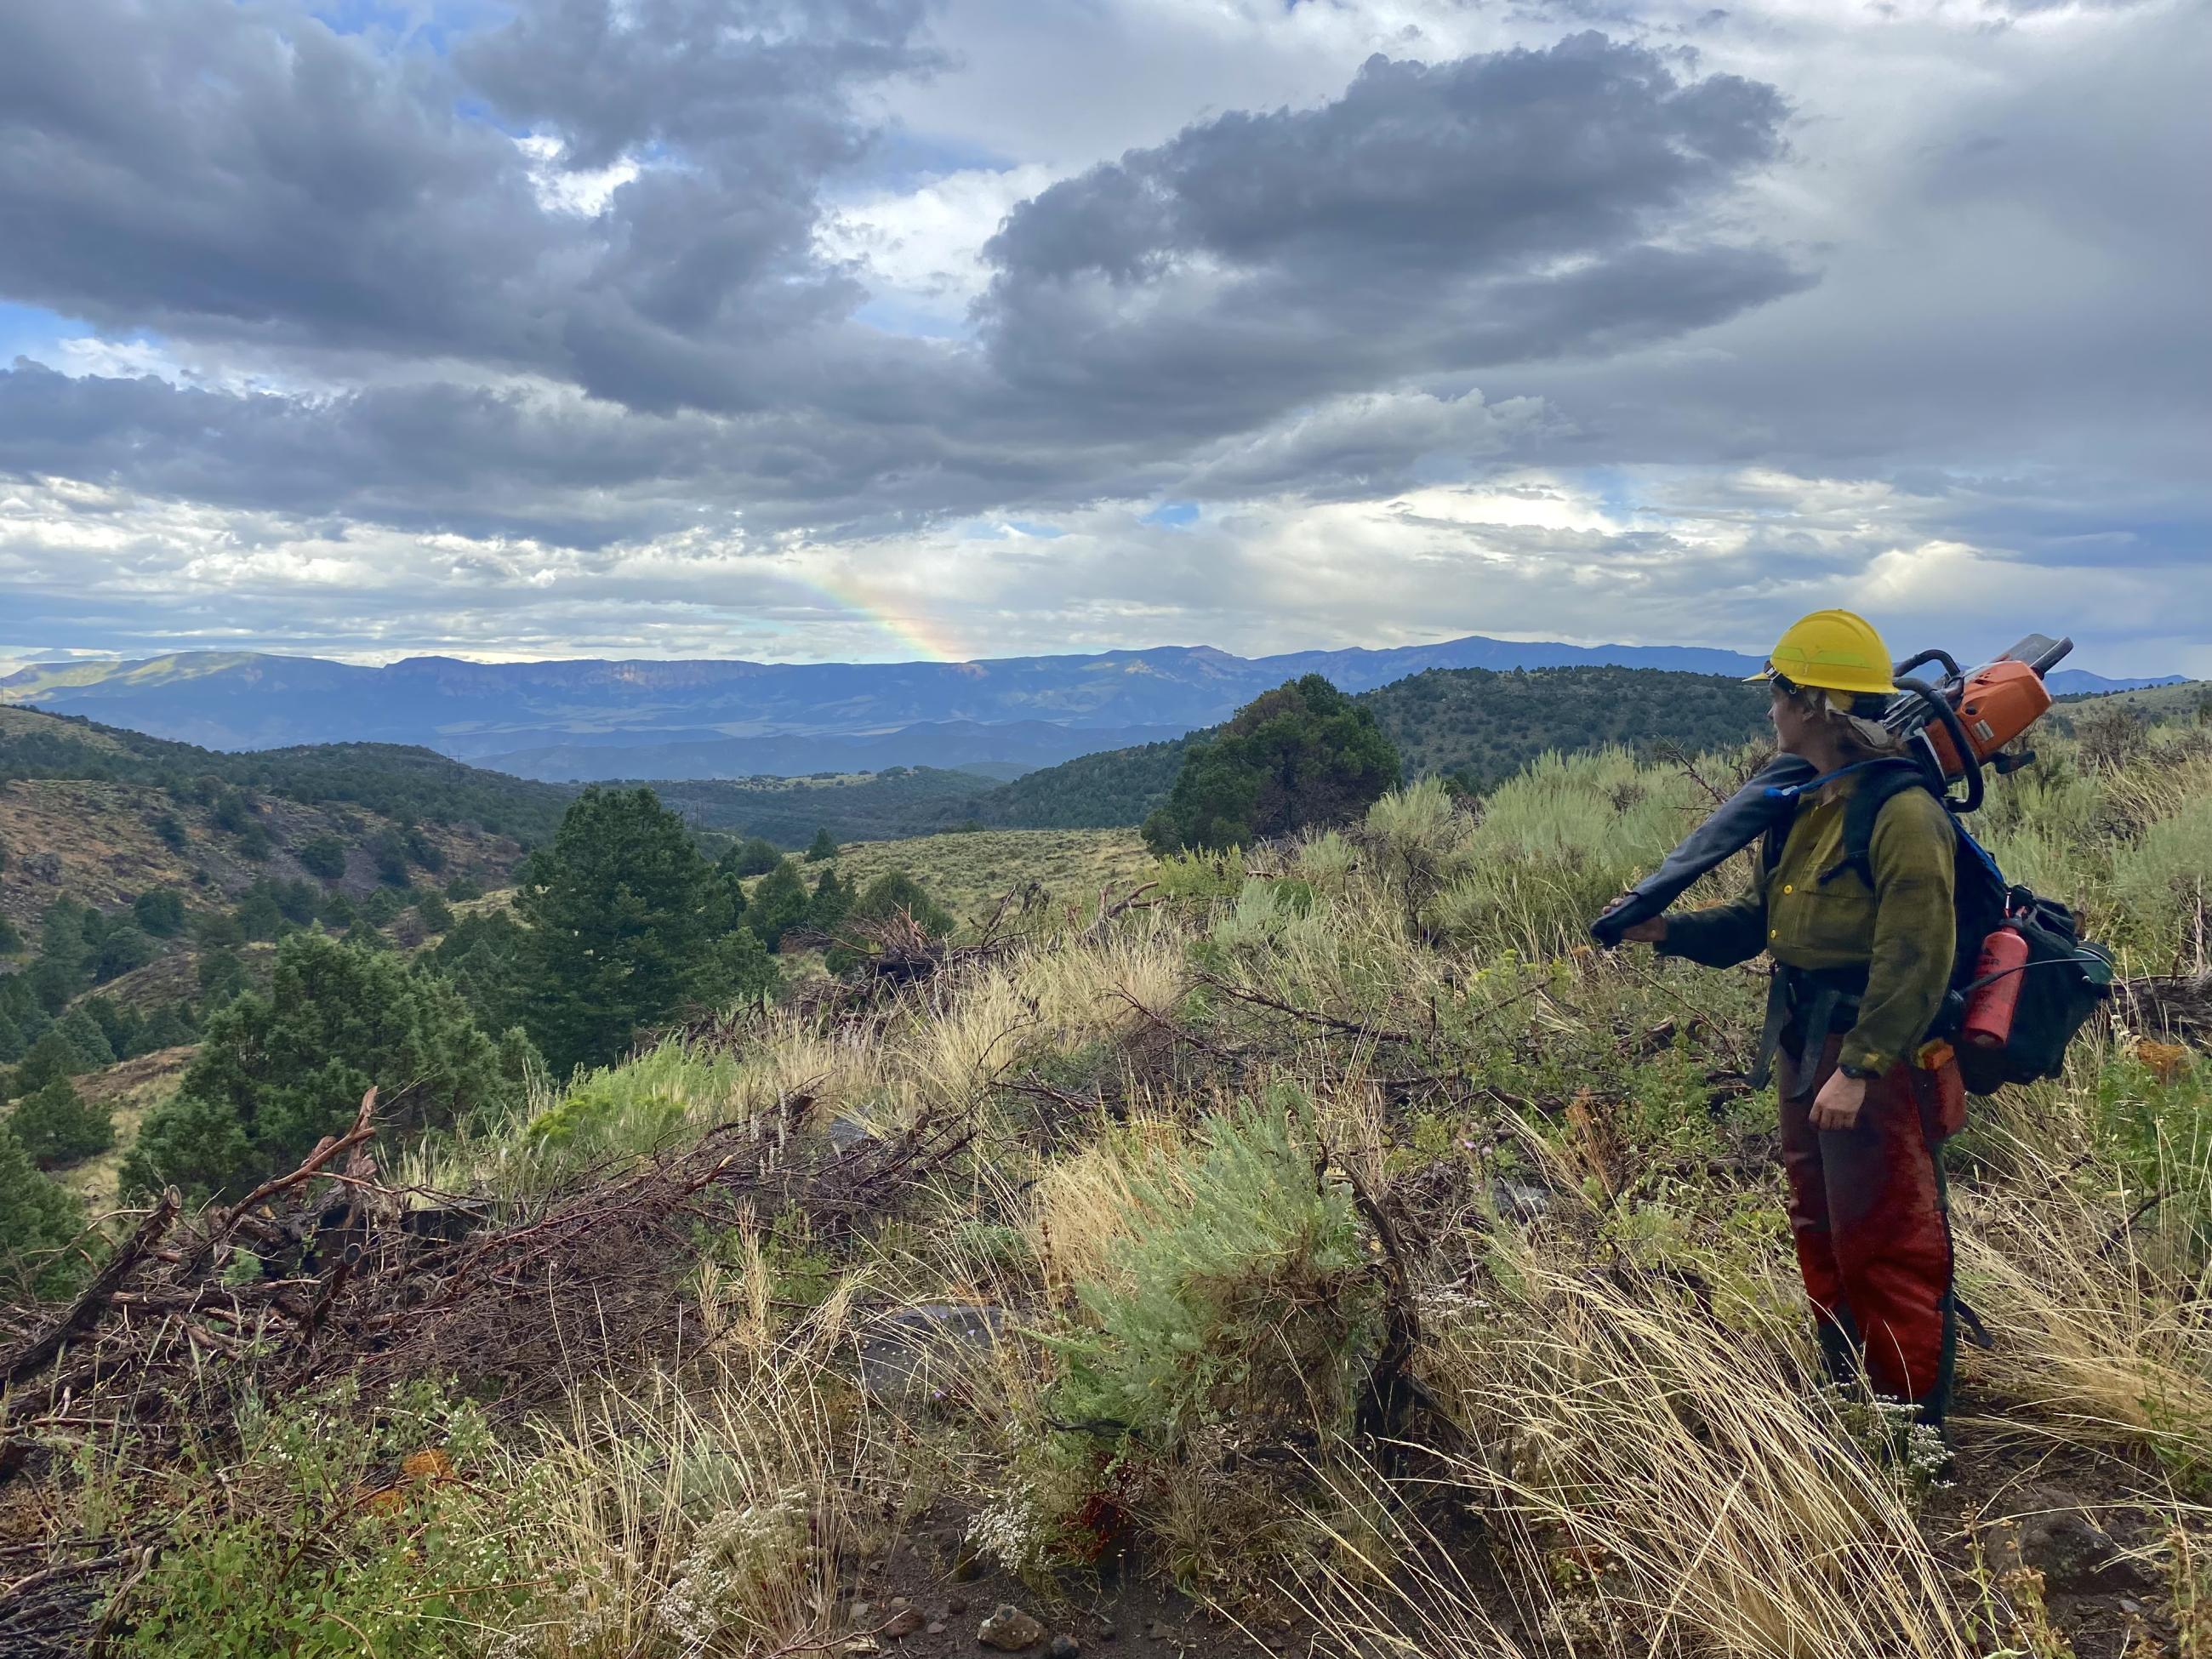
(205, 167)
(214, 169)
(1492, 210)
(1437, 217)
(564, 287)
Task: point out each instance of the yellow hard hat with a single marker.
(1834, 650)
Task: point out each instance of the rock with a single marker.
(1010, 1629)
(1515, 1200)
(1064, 1647)
(2059, 1540)
(902, 1624)
(863, 1614)
(845, 1133)
(935, 1627)
(903, 1353)
(1158, 1631)
(955, 1606)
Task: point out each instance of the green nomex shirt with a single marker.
(1901, 929)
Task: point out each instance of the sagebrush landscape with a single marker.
(1315, 1246)
(872, 829)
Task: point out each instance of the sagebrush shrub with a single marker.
(1241, 1294)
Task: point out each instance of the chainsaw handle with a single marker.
(1940, 706)
(1921, 660)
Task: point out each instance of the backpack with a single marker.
(2066, 979)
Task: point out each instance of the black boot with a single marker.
(1838, 1337)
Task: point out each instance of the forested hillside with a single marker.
(1482, 728)
(143, 883)
(864, 806)
(1474, 725)
(391, 780)
(1096, 791)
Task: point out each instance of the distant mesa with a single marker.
(582, 721)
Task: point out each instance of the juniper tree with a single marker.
(278, 1070)
(628, 925)
(1302, 754)
(57, 1127)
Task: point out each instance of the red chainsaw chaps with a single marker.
(1866, 1210)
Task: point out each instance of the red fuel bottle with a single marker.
(1997, 992)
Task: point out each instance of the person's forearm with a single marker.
(1719, 936)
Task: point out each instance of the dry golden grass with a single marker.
(130, 1091)
(968, 872)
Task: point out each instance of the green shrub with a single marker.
(323, 857)
(340, 1527)
(434, 913)
(1241, 1295)
(1202, 875)
(38, 1221)
(778, 905)
(161, 912)
(754, 856)
(56, 1127)
(631, 1109)
(125, 949)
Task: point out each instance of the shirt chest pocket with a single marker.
(1823, 919)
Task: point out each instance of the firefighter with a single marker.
(1863, 939)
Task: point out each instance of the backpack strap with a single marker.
(1885, 778)
(1887, 774)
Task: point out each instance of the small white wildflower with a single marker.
(1010, 1532)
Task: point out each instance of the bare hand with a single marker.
(1653, 931)
(1837, 1106)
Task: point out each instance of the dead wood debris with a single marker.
(328, 1272)
(2179, 1006)
(296, 1286)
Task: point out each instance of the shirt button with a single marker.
(1787, 888)
(1774, 932)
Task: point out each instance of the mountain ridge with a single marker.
(573, 719)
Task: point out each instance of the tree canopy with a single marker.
(279, 1071)
(1303, 754)
(627, 926)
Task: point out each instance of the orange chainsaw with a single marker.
(1962, 722)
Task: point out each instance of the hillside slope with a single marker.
(392, 780)
(475, 709)
(1478, 726)
(1337, 1240)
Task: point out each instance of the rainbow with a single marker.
(922, 634)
